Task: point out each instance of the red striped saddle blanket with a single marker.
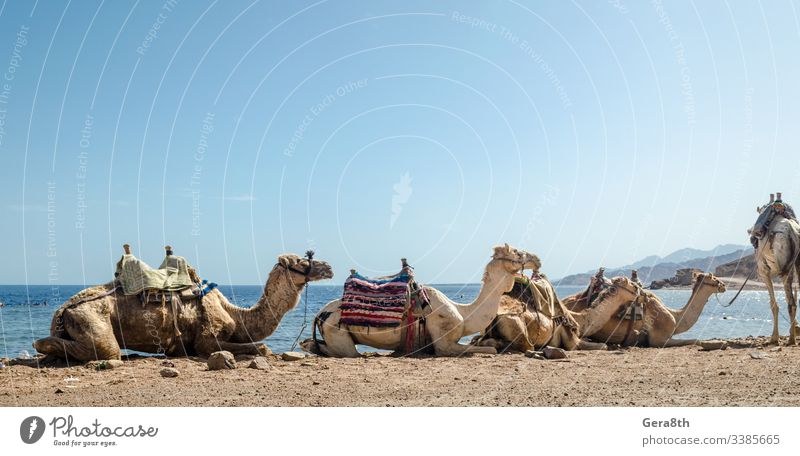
(380, 302)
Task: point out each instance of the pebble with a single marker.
(221, 360)
(292, 356)
(59, 391)
(757, 355)
(259, 363)
(169, 372)
(554, 353)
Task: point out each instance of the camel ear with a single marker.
(283, 260)
(508, 248)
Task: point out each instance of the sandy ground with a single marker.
(630, 377)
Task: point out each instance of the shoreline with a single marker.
(682, 376)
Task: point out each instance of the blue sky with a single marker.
(590, 133)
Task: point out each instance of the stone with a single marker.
(758, 355)
(709, 345)
(169, 372)
(59, 391)
(554, 353)
(221, 360)
(259, 363)
(292, 356)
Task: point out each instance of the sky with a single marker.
(589, 133)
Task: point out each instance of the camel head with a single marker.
(625, 285)
(304, 269)
(516, 260)
(708, 279)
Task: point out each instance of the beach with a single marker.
(684, 376)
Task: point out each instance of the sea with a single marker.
(27, 311)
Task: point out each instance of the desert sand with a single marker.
(745, 374)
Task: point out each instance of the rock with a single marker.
(709, 345)
(554, 353)
(2, 365)
(292, 356)
(169, 372)
(259, 363)
(167, 364)
(221, 360)
(59, 391)
(758, 355)
(776, 349)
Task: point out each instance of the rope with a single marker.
(305, 319)
(740, 288)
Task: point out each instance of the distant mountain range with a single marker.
(655, 267)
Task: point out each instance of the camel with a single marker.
(446, 322)
(657, 323)
(533, 317)
(96, 322)
(777, 255)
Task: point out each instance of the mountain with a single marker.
(656, 268)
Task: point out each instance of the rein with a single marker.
(306, 274)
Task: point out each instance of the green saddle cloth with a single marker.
(135, 276)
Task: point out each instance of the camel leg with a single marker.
(205, 348)
(65, 349)
(92, 337)
(678, 343)
(587, 345)
(775, 339)
(792, 304)
(515, 333)
(339, 342)
(446, 332)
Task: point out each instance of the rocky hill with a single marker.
(655, 268)
(739, 267)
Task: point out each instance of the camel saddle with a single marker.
(170, 286)
(387, 302)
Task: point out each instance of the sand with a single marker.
(682, 376)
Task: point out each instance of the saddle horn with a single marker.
(404, 262)
(772, 198)
(168, 249)
(779, 197)
(126, 248)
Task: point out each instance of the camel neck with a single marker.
(686, 317)
(592, 319)
(280, 295)
(479, 313)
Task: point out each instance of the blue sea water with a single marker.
(24, 318)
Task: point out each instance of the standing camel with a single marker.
(446, 321)
(776, 236)
(97, 322)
